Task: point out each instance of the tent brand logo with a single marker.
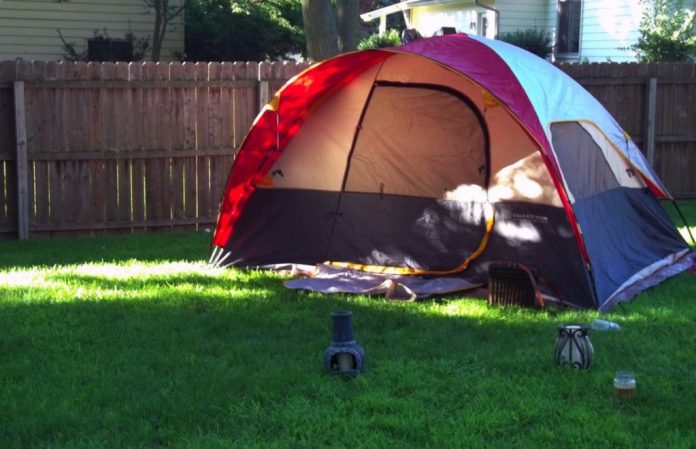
(531, 217)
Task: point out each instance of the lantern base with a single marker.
(346, 359)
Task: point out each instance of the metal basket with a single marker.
(513, 284)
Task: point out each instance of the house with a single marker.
(582, 30)
(29, 28)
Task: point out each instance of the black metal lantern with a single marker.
(344, 355)
(573, 347)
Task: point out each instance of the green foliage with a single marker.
(390, 39)
(139, 46)
(667, 32)
(533, 40)
(71, 53)
(243, 30)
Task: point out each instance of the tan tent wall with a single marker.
(316, 157)
(417, 142)
(525, 180)
(509, 142)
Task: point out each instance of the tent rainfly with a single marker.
(441, 156)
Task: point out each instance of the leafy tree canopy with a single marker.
(667, 32)
(243, 30)
(389, 39)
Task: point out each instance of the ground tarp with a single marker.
(328, 279)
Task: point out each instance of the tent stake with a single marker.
(213, 254)
(222, 259)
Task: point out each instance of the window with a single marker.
(568, 36)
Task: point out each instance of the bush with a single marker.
(135, 49)
(243, 30)
(667, 32)
(533, 40)
(390, 39)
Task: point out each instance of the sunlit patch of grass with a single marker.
(687, 236)
(128, 280)
(472, 308)
(688, 209)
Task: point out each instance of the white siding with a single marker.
(609, 29)
(429, 19)
(526, 14)
(514, 15)
(28, 28)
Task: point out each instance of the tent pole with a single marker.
(349, 159)
(688, 229)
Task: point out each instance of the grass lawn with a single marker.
(132, 342)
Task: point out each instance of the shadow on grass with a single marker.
(213, 368)
(188, 246)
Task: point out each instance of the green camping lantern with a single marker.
(344, 355)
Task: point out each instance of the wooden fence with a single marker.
(91, 147)
(94, 148)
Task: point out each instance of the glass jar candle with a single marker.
(624, 385)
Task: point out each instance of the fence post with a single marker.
(649, 133)
(264, 94)
(21, 161)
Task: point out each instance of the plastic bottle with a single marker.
(604, 325)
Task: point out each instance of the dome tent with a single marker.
(440, 156)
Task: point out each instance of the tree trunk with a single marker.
(160, 10)
(348, 24)
(320, 29)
